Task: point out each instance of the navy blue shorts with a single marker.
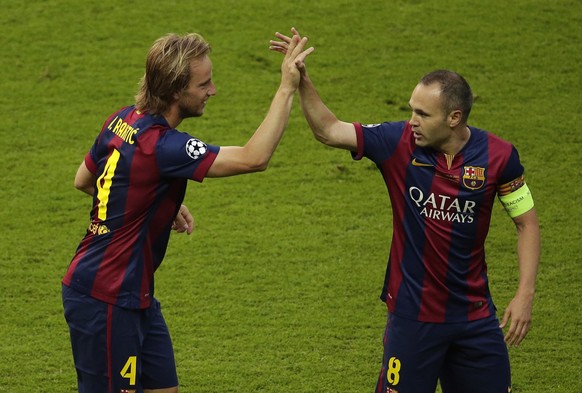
(117, 349)
(465, 357)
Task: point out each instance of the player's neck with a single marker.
(458, 140)
(172, 116)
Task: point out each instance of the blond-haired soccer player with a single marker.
(137, 171)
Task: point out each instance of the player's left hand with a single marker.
(283, 46)
(519, 312)
(184, 222)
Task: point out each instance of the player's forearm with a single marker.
(317, 114)
(528, 251)
(87, 190)
(261, 146)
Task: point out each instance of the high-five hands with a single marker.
(292, 48)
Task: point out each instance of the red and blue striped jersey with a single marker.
(441, 213)
(142, 167)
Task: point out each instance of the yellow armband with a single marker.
(518, 202)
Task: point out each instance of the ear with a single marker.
(454, 118)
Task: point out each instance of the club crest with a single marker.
(473, 177)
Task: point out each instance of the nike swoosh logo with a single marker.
(416, 163)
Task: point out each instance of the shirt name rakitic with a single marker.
(123, 130)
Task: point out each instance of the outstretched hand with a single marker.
(294, 61)
(281, 46)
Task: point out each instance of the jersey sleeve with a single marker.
(90, 163)
(377, 141)
(98, 149)
(512, 189)
(181, 155)
(511, 178)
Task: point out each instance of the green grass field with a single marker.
(277, 289)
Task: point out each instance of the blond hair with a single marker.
(168, 70)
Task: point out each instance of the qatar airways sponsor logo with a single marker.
(443, 207)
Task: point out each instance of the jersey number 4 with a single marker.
(104, 184)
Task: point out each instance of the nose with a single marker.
(413, 119)
(212, 90)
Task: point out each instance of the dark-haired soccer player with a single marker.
(442, 178)
(137, 171)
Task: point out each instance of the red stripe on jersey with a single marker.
(143, 187)
(90, 164)
(204, 166)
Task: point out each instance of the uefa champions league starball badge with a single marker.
(195, 148)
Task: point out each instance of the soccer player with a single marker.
(137, 172)
(442, 177)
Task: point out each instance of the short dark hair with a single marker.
(455, 91)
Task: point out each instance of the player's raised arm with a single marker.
(326, 127)
(256, 153)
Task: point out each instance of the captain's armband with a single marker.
(517, 202)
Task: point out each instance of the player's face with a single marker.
(429, 120)
(192, 100)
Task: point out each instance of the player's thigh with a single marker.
(106, 343)
(87, 320)
(413, 355)
(478, 362)
(157, 358)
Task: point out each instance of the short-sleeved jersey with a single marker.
(142, 166)
(441, 213)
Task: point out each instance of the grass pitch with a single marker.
(277, 289)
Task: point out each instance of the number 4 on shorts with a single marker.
(129, 370)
